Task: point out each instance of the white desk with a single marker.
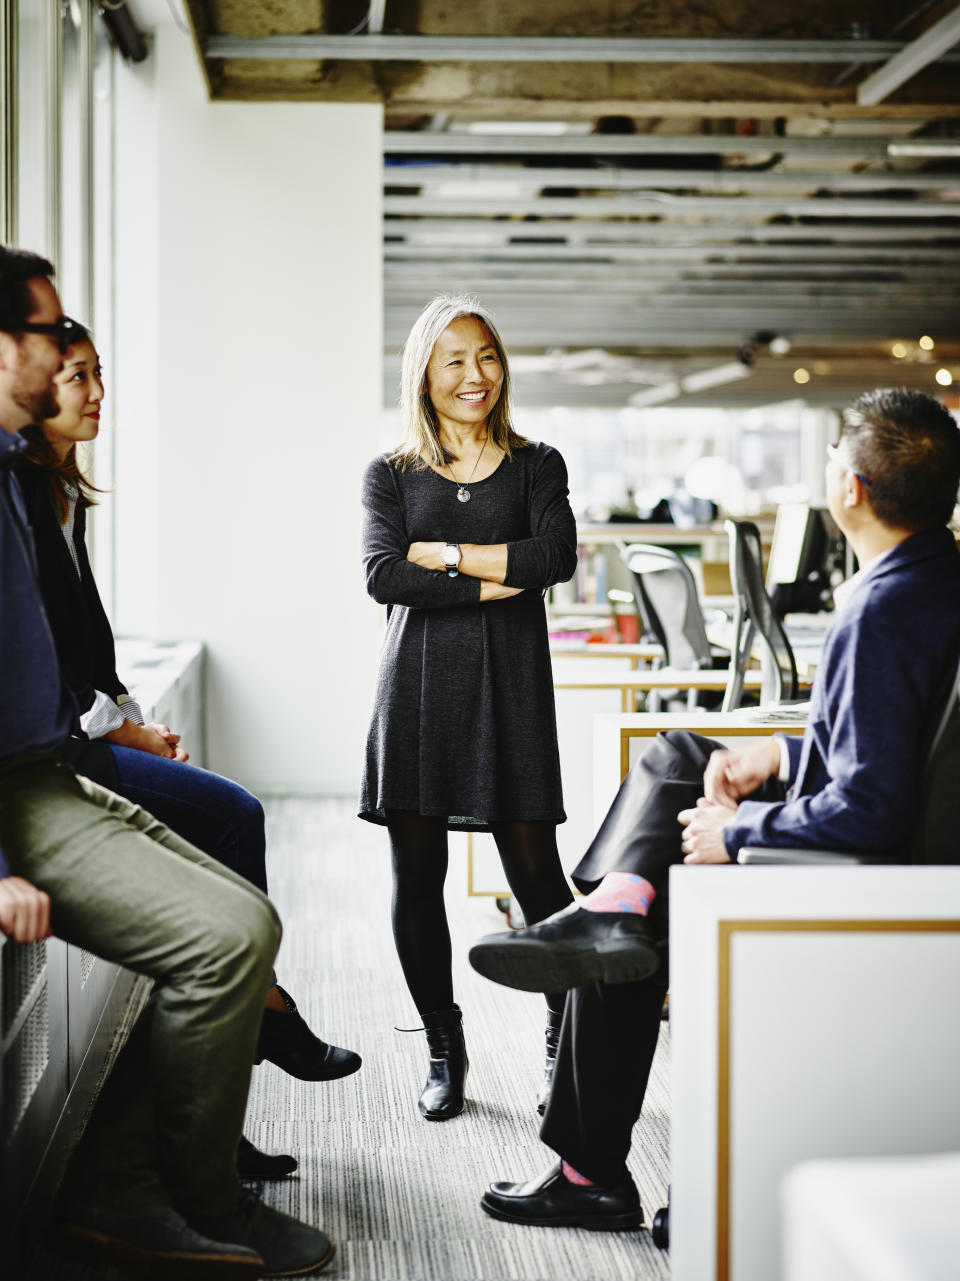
(620, 741)
(813, 1015)
(632, 654)
(631, 683)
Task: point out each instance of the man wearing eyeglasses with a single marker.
(853, 783)
(154, 1183)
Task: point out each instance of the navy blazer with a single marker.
(889, 665)
(81, 630)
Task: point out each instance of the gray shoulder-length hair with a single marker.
(420, 437)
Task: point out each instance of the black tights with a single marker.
(528, 852)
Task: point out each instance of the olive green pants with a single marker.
(123, 886)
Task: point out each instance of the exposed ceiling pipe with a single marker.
(417, 48)
(123, 29)
(933, 44)
(428, 142)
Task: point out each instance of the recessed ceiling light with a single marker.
(923, 149)
(654, 395)
(944, 377)
(821, 367)
(801, 375)
(715, 376)
(899, 350)
(545, 128)
(926, 342)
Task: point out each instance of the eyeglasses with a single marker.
(66, 331)
(833, 453)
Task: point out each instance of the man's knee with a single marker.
(247, 933)
(680, 754)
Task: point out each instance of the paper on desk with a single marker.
(788, 713)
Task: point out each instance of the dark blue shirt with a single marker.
(36, 711)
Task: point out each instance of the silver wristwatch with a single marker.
(451, 558)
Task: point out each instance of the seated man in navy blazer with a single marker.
(852, 783)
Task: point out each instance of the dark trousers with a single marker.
(122, 885)
(610, 1031)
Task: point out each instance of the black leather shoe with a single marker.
(254, 1164)
(569, 949)
(551, 1201)
(286, 1040)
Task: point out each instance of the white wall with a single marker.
(249, 363)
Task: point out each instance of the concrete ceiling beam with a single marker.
(732, 180)
(559, 328)
(664, 204)
(462, 269)
(725, 237)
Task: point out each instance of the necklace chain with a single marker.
(462, 492)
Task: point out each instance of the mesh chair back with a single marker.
(754, 616)
(935, 839)
(669, 605)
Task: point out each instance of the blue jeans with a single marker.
(217, 816)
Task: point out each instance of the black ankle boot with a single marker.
(554, 1023)
(442, 1095)
(286, 1040)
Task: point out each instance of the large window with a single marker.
(56, 166)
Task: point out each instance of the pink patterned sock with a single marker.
(620, 892)
(574, 1176)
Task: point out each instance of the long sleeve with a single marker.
(391, 579)
(868, 730)
(107, 714)
(80, 627)
(550, 555)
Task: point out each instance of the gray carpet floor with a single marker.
(399, 1195)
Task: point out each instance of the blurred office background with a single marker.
(698, 244)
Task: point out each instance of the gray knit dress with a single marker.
(464, 724)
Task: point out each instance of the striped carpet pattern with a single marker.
(400, 1195)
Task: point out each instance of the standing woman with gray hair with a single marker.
(466, 524)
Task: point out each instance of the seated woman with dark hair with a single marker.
(144, 763)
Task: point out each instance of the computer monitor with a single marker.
(807, 559)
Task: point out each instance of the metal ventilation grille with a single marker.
(87, 962)
(24, 1064)
(22, 968)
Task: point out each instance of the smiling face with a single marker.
(79, 391)
(464, 375)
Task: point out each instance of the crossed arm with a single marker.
(399, 572)
(486, 561)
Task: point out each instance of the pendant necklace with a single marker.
(463, 494)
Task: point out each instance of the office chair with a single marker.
(669, 606)
(753, 617)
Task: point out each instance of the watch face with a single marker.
(451, 556)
